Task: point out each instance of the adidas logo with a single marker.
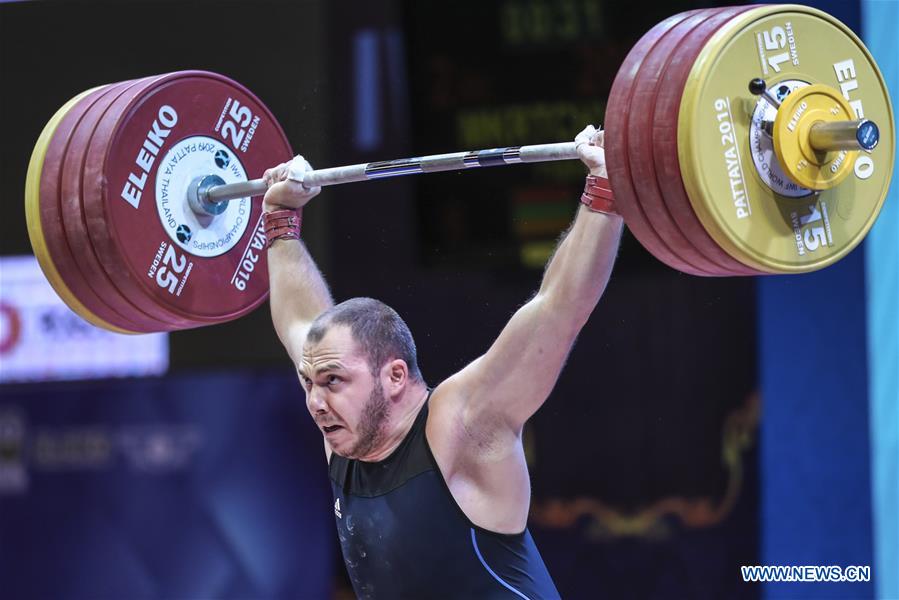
(337, 509)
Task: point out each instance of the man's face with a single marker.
(345, 399)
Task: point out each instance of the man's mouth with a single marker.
(331, 428)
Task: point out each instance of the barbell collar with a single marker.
(434, 163)
(198, 196)
(759, 87)
(861, 134)
(223, 193)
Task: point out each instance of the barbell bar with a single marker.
(208, 197)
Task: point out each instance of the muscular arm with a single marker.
(298, 291)
(504, 387)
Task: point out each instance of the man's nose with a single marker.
(316, 401)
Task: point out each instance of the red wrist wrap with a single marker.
(281, 225)
(598, 195)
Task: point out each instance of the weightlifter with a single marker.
(431, 488)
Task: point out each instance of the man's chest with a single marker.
(402, 523)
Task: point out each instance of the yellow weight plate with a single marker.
(33, 218)
(803, 108)
(733, 180)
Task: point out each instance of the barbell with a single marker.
(739, 141)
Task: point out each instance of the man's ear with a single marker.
(396, 374)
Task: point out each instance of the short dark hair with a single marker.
(380, 332)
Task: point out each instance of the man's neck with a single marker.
(401, 419)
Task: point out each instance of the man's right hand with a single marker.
(285, 186)
(590, 148)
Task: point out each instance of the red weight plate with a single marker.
(639, 136)
(72, 193)
(51, 219)
(664, 146)
(616, 144)
(72, 254)
(142, 158)
(650, 187)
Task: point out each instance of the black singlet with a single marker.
(404, 537)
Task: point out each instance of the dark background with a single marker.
(643, 460)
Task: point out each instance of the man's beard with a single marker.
(371, 423)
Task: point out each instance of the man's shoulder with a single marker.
(442, 421)
(459, 433)
(481, 461)
(446, 406)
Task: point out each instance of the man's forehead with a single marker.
(337, 345)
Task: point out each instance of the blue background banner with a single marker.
(204, 486)
(879, 23)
